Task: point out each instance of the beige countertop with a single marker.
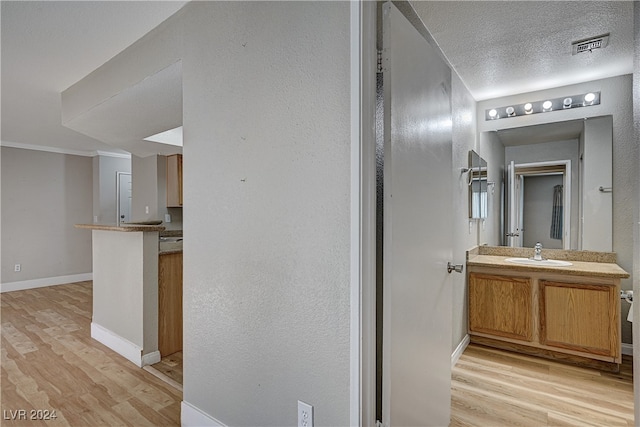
(578, 268)
(169, 251)
(125, 227)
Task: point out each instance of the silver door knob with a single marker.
(454, 267)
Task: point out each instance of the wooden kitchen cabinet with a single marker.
(501, 306)
(170, 303)
(174, 181)
(581, 317)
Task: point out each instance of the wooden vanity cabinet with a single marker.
(169, 303)
(581, 317)
(558, 316)
(174, 181)
(501, 306)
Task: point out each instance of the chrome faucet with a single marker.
(537, 256)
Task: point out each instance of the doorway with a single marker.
(539, 204)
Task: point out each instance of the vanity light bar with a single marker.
(543, 106)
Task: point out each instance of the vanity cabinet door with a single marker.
(501, 306)
(581, 317)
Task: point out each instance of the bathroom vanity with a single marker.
(568, 312)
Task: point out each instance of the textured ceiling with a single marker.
(47, 46)
(502, 48)
(498, 48)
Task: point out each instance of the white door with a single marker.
(418, 240)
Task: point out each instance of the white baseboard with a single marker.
(459, 350)
(193, 417)
(122, 346)
(46, 281)
(151, 358)
(627, 349)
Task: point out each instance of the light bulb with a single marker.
(589, 98)
(510, 111)
(528, 108)
(567, 103)
(546, 106)
(493, 113)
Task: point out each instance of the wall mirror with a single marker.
(478, 207)
(556, 181)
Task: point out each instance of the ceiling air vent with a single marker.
(588, 45)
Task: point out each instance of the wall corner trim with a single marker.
(459, 350)
(44, 282)
(151, 358)
(115, 342)
(193, 417)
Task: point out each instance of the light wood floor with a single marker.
(494, 388)
(171, 367)
(50, 363)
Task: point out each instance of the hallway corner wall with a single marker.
(267, 188)
(465, 230)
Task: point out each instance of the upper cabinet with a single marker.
(174, 181)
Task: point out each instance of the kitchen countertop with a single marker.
(125, 227)
(578, 268)
(169, 251)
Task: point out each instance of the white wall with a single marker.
(597, 206)
(144, 194)
(149, 176)
(493, 151)
(105, 169)
(267, 270)
(43, 195)
(465, 230)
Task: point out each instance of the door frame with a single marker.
(363, 27)
(537, 169)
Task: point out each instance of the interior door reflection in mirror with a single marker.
(579, 215)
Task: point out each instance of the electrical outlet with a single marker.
(17, 268)
(305, 414)
(146, 209)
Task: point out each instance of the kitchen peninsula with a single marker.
(125, 289)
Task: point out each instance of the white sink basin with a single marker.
(543, 263)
